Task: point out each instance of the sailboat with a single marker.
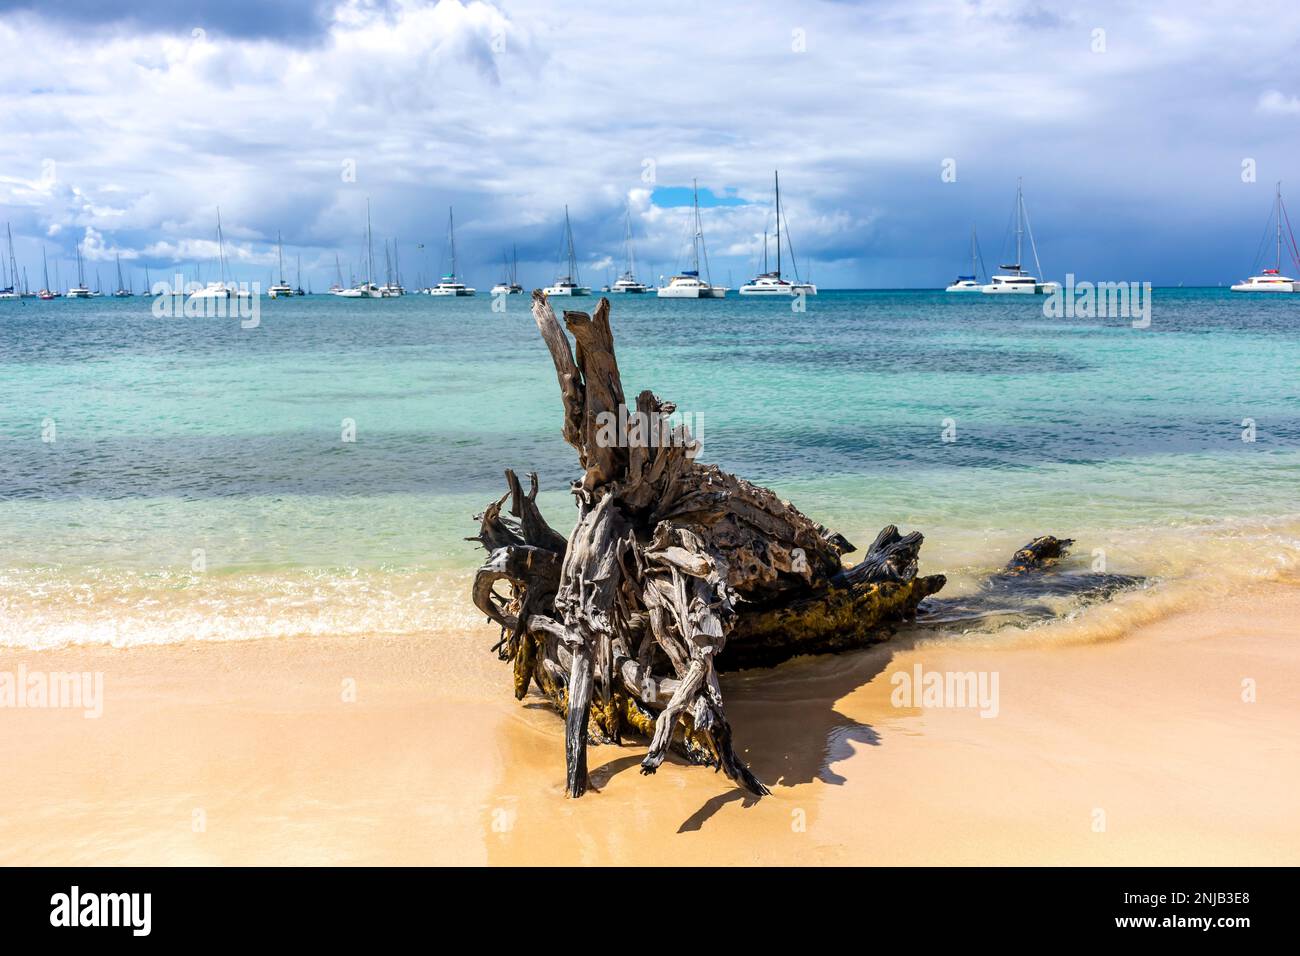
(367, 289)
(337, 287)
(1272, 280)
(79, 291)
(46, 292)
(509, 284)
(122, 291)
(298, 290)
(688, 284)
(279, 289)
(774, 283)
(568, 284)
(392, 272)
(221, 289)
(1015, 281)
(627, 282)
(10, 291)
(450, 284)
(971, 282)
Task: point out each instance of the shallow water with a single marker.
(198, 487)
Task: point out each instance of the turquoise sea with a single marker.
(171, 479)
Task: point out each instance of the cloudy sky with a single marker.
(1130, 124)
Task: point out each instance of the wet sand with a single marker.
(1136, 749)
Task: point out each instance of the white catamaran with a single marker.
(509, 284)
(280, 289)
(1015, 281)
(569, 284)
(450, 284)
(221, 289)
(10, 290)
(79, 291)
(687, 284)
(122, 291)
(367, 289)
(628, 282)
(1272, 280)
(773, 283)
(971, 282)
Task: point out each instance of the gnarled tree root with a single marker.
(674, 571)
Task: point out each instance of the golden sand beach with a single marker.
(1132, 745)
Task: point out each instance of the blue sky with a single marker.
(1129, 123)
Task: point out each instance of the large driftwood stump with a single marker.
(674, 571)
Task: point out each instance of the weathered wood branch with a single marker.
(675, 571)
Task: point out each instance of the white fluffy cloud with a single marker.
(129, 138)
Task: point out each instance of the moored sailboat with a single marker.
(450, 284)
(79, 291)
(971, 282)
(628, 283)
(220, 289)
(280, 289)
(367, 289)
(1272, 280)
(687, 284)
(509, 284)
(569, 284)
(1014, 280)
(774, 283)
(122, 292)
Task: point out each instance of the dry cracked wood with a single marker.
(674, 571)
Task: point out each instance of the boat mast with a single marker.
(81, 272)
(1279, 229)
(698, 237)
(13, 263)
(451, 241)
(370, 250)
(777, 176)
(221, 250)
(573, 258)
(974, 257)
(45, 267)
(279, 245)
(631, 255)
(120, 285)
(1020, 223)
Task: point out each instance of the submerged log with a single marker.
(675, 571)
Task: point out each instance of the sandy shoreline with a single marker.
(249, 753)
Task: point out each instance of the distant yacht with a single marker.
(971, 282)
(10, 290)
(773, 283)
(220, 289)
(79, 291)
(568, 284)
(280, 289)
(628, 283)
(509, 284)
(450, 284)
(1272, 280)
(46, 292)
(392, 270)
(687, 284)
(367, 289)
(122, 291)
(1015, 281)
